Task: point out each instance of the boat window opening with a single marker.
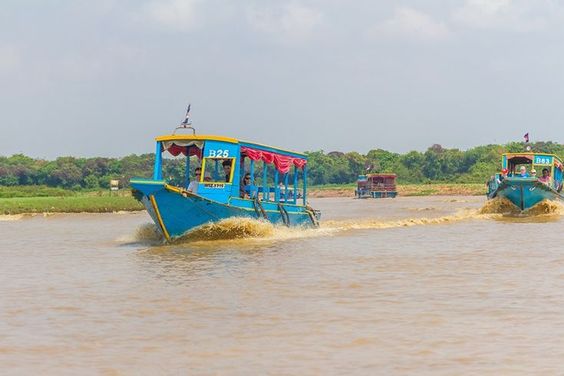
(269, 184)
(265, 182)
(215, 175)
(247, 167)
(189, 170)
(276, 186)
(174, 169)
(516, 170)
(514, 164)
(214, 172)
(288, 187)
(173, 166)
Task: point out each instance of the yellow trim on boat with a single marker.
(191, 137)
(158, 214)
(202, 177)
(175, 189)
(532, 153)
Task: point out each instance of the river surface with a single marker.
(412, 285)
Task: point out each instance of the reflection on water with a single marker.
(425, 285)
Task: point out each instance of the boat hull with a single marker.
(176, 211)
(376, 194)
(525, 193)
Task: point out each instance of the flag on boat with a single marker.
(526, 137)
(187, 117)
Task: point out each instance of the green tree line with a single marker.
(436, 164)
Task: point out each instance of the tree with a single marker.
(435, 164)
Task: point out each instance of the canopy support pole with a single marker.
(157, 173)
(286, 178)
(276, 188)
(252, 172)
(264, 184)
(305, 185)
(295, 185)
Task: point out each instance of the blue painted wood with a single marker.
(182, 213)
(264, 182)
(525, 193)
(219, 190)
(276, 187)
(286, 177)
(305, 184)
(295, 185)
(176, 211)
(157, 172)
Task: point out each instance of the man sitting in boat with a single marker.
(193, 186)
(245, 184)
(523, 172)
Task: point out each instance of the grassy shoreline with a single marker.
(436, 189)
(80, 204)
(103, 202)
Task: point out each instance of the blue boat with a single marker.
(519, 183)
(275, 189)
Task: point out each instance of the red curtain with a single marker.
(282, 162)
(175, 150)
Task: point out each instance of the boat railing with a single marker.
(258, 191)
(382, 187)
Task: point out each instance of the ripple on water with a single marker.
(544, 210)
(244, 230)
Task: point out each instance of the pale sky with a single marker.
(103, 78)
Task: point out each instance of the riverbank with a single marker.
(73, 204)
(405, 190)
(103, 202)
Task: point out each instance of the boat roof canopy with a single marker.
(529, 158)
(528, 155)
(520, 159)
(188, 139)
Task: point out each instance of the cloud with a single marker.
(409, 23)
(290, 23)
(177, 15)
(99, 63)
(502, 14)
(10, 60)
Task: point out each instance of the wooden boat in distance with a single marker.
(219, 192)
(528, 189)
(376, 186)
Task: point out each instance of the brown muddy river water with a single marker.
(388, 287)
